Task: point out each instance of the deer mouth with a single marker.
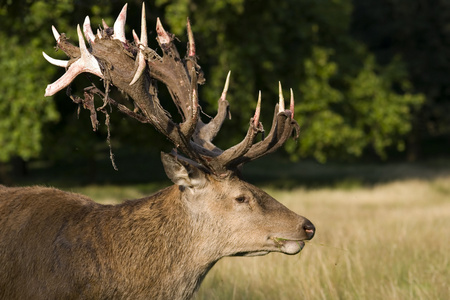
(288, 246)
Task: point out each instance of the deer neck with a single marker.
(164, 248)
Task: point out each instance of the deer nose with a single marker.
(309, 228)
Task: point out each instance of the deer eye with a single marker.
(241, 199)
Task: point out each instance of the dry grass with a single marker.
(390, 241)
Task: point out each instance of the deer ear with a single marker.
(181, 171)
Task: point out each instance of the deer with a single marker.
(61, 245)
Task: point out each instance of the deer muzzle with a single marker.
(293, 245)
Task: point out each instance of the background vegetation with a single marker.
(370, 77)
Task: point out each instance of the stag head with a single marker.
(199, 168)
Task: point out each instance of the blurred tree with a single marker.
(23, 108)
(419, 31)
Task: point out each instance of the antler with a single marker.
(134, 68)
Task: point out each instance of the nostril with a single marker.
(309, 233)
(309, 229)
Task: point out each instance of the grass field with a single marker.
(382, 233)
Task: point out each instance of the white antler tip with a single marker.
(105, 26)
(88, 30)
(50, 91)
(158, 22)
(281, 98)
(119, 25)
(191, 39)
(162, 34)
(81, 41)
(257, 111)
(225, 87)
(144, 39)
(227, 82)
(56, 34)
(135, 37)
(56, 62)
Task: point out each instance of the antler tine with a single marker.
(56, 62)
(119, 25)
(88, 30)
(144, 38)
(205, 133)
(281, 98)
(223, 97)
(191, 59)
(81, 42)
(135, 37)
(142, 44)
(257, 111)
(191, 47)
(163, 36)
(56, 34)
(105, 26)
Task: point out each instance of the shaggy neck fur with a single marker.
(171, 259)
